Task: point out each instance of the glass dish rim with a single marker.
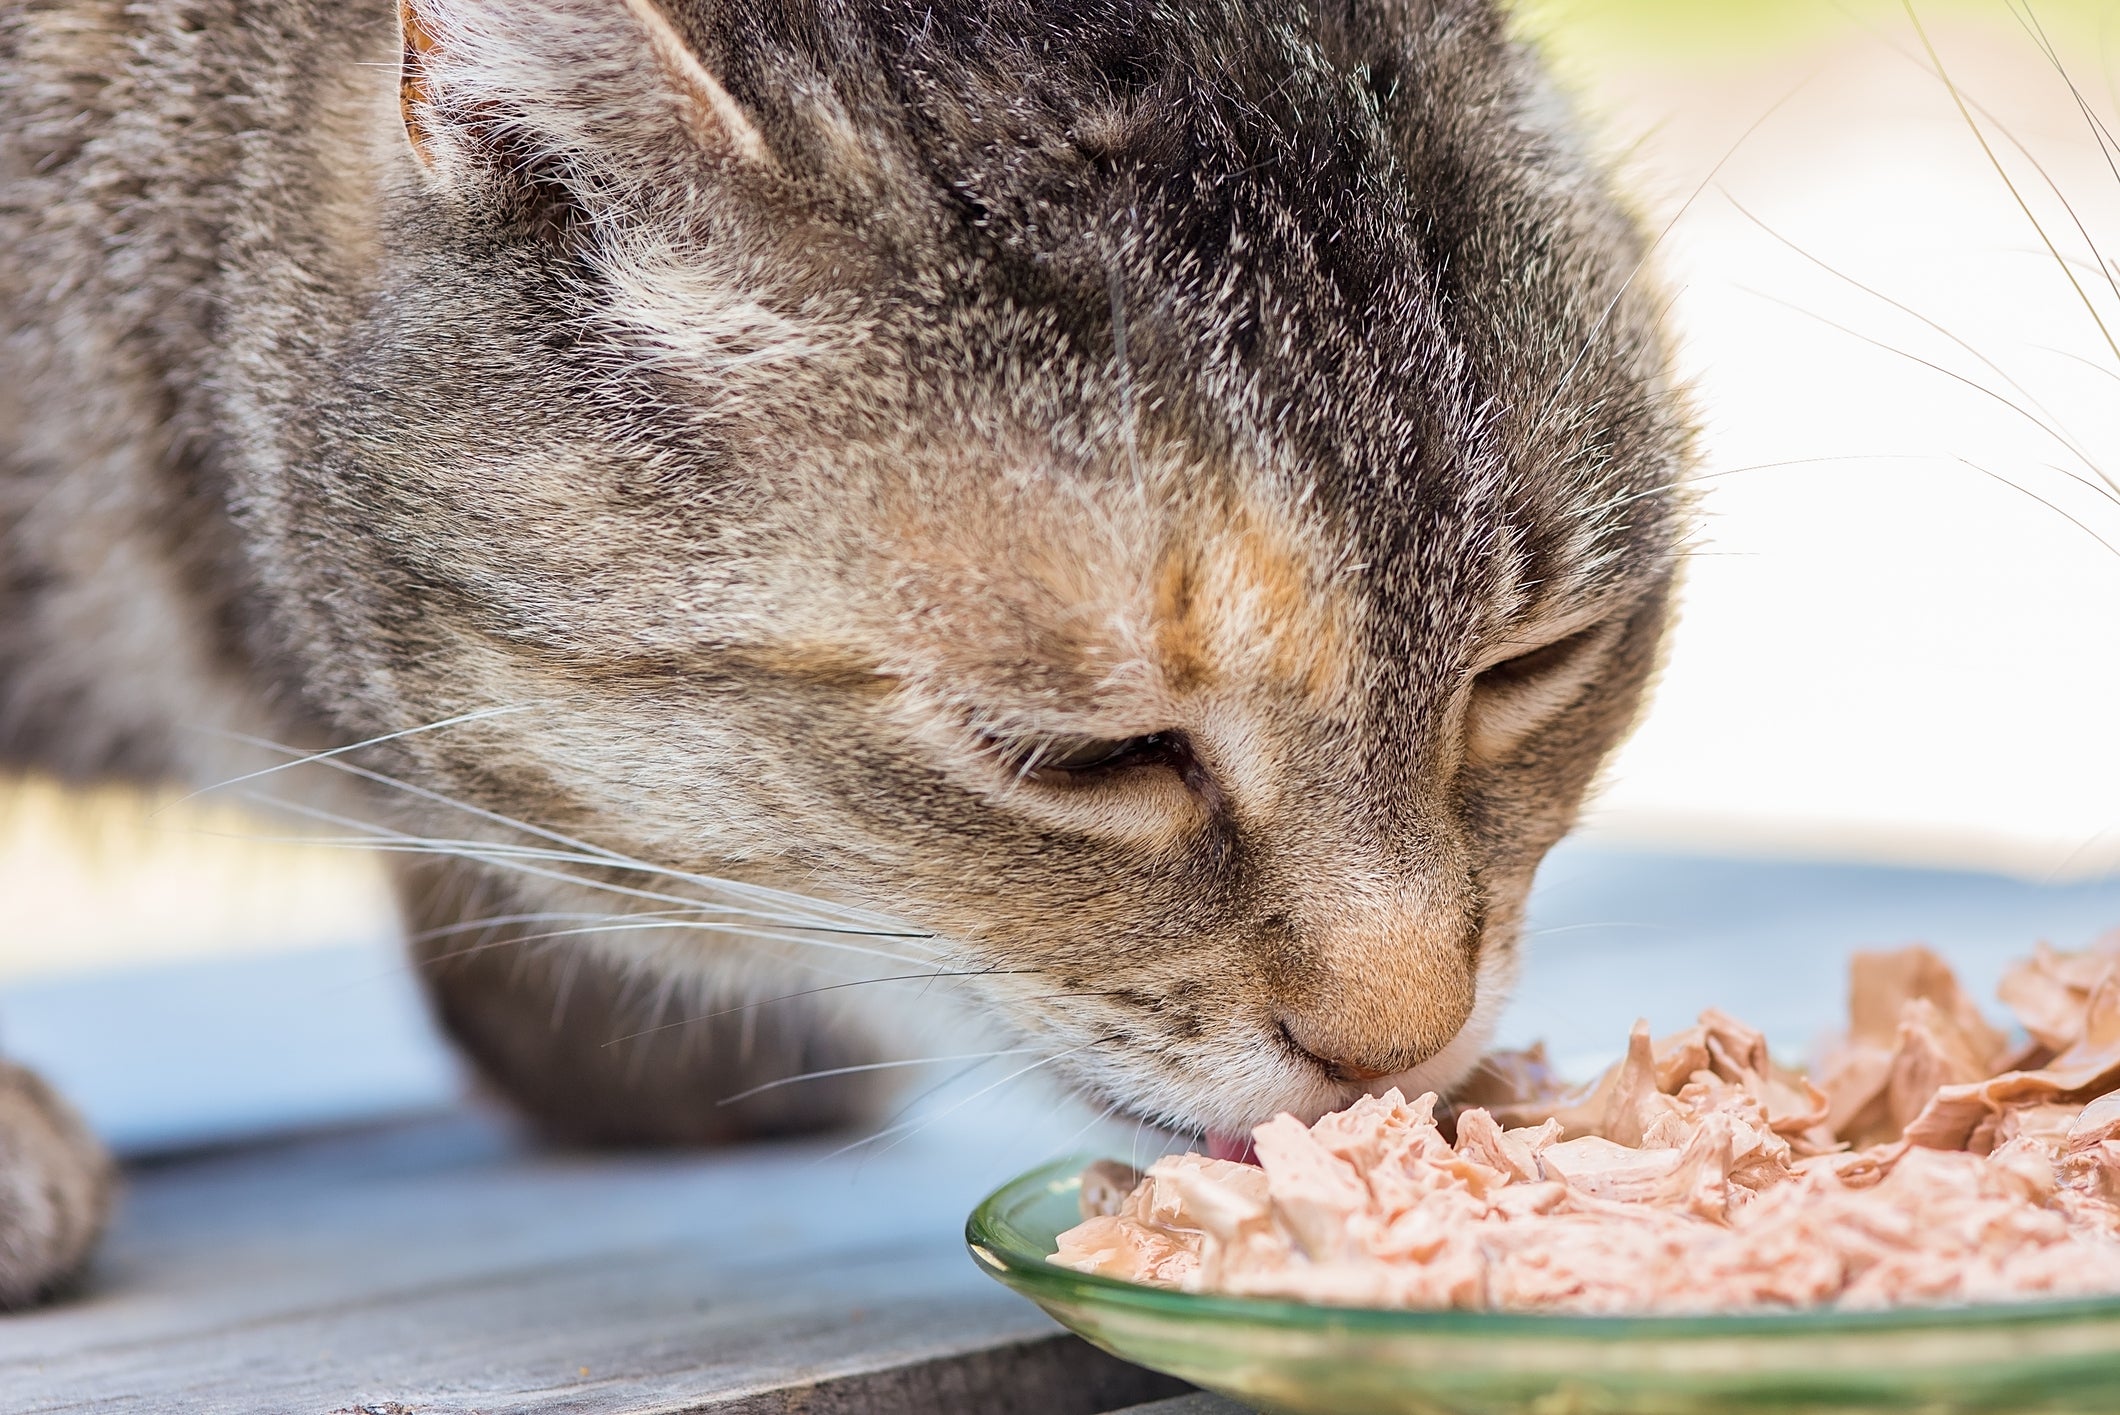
(987, 1234)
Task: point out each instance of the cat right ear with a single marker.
(606, 84)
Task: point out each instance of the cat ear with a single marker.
(574, 76)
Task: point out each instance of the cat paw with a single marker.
(55, 1189)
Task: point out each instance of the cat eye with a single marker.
(1540, 662)
(1095, 756)
(1512, 699)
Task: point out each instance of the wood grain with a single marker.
(442, 1268)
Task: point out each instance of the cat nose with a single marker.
(1339, 1068)
(1383, 988)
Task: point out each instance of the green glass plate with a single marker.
(2033, 1358)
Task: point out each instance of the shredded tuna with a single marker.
(1928, 1159)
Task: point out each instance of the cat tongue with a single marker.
(1232, 1147)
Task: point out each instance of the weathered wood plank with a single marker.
(439, 1268)
(1058, 1375)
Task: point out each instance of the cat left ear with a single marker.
(415, 91)
(578, 70)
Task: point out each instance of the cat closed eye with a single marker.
(1513, 699)
(1086, 756)
(1541, 662)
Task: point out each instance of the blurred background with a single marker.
(1899, 633)
(1889, 709)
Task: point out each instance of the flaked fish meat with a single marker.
(1931, 1157)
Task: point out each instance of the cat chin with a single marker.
(1219, 1115)
(1259, 1083)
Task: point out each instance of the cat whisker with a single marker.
(1721, 472)
(2019, 409)
(2092, 364)
(2059, 430)
(312, 758)
(929, 975)
(379, 839)
(2107, 139)
(2043, 501)
(1067, 1146)
(2098, 262)
(494, 853)
(608, 922)
(734, 888)
(391, 841)
(496, 921)
(927, 1092)
(2099, 488)
(868, 1066)
(906, 1129)
(622, 924)
(385, 839)
(1695, 478)
(507, 853)
(805, 961)
(2101, 132)
(2016, 195)
(1558, 929)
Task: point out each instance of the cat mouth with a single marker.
(1232, 1147)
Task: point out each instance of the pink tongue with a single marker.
(1227, 1147)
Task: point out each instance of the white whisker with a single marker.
(496, 921)
(944, 1084)
(2049, 505)
(619, 923)
(735, 888)
(1980, 136)
(911, 1126)
(1067, 1146)
(312, 758)
(496, 853)
(2059, 430)
(927, 977)
(1972, 383)
(388, 840)
(868, 1066)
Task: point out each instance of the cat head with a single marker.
(1175, 500)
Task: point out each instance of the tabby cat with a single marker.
(1156, 509)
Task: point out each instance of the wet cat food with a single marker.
(1930, 1158)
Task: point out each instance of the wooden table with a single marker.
(438, 1266)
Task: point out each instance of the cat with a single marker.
(1155, 510)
